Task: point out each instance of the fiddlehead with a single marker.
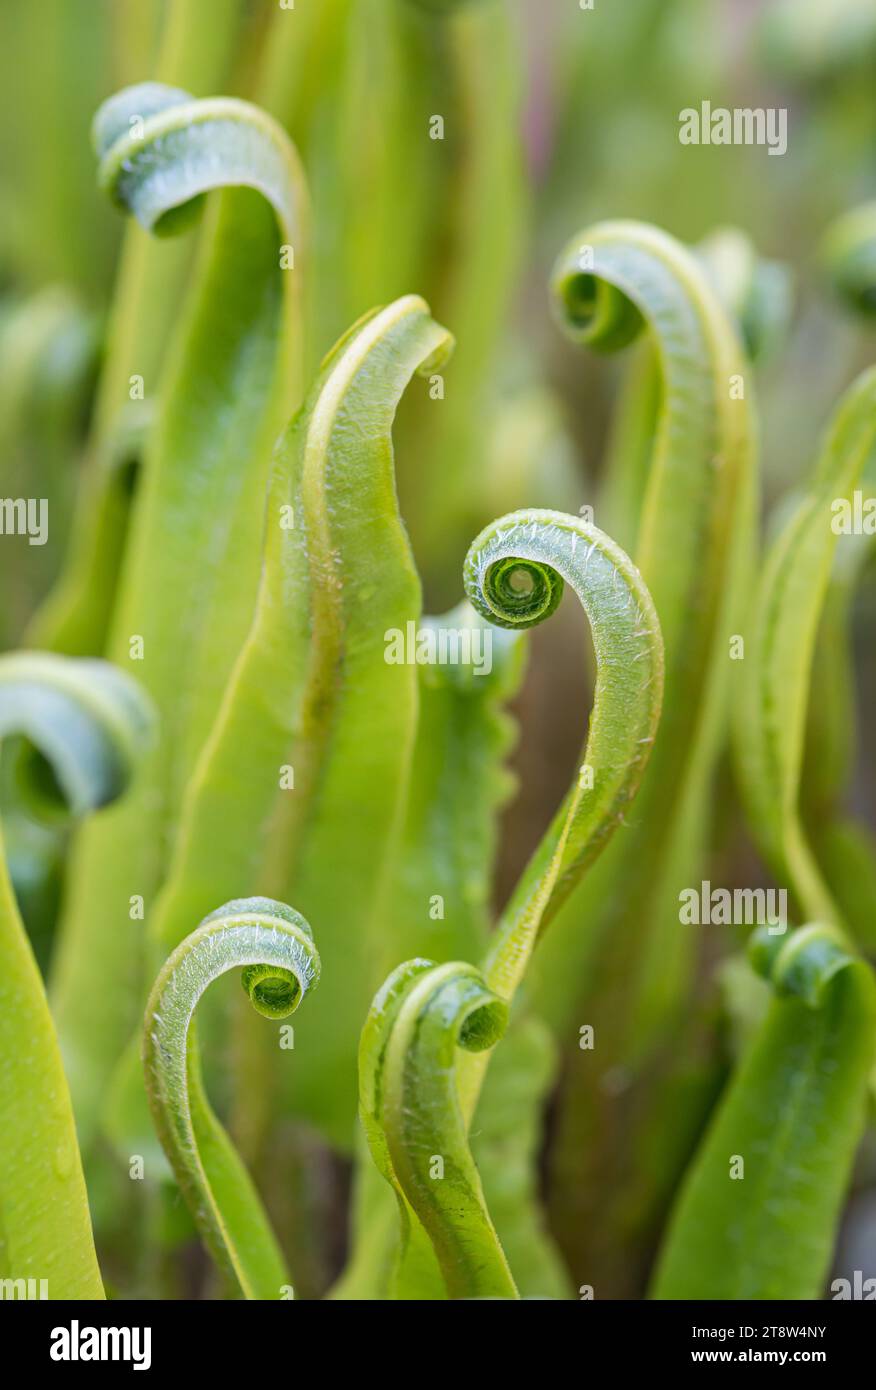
(802, 964)
(684, 504)
(85, 719)
(790, 1121)
(757, 296)
(414, 1125)
(611, 283)
(160, 150)
(229, 385)
(687, 509)
(273, 946)
(80, 726)
(514, 575)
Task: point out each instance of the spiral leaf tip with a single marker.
(587, 307)
(83, 726)
(160, 150)
(801, 964)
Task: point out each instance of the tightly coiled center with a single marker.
(519, 593)
(273, 991)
